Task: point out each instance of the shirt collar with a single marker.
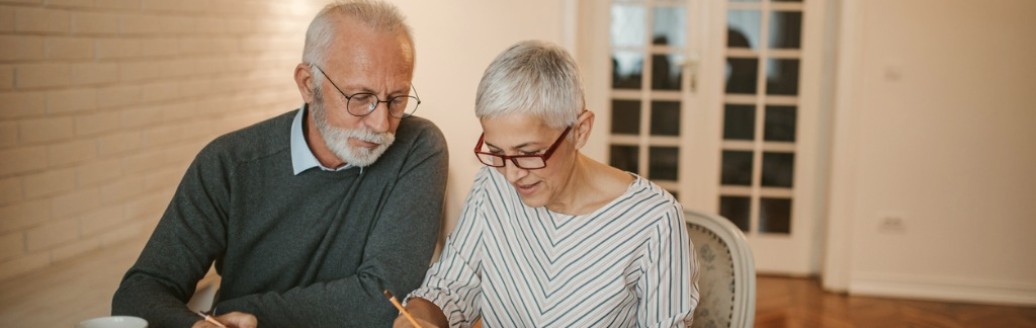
(302, 157)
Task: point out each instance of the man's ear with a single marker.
(584, 124)
(304, 80)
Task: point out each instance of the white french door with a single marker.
(717, 102)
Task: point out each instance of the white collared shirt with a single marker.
(302, 157)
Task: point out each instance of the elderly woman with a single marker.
(549, 237)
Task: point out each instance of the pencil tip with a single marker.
(388, 294)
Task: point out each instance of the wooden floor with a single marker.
(82, 288)
(798, 302)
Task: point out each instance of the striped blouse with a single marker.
(627, 264)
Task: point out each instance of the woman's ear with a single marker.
(584, 124)
(303, 79)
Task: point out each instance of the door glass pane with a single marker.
(737, 168)
(775, 215)
(666, 73)
(627, 26)
(786, 30)
(782, 77)
(663, 163)
(737, 210)
(669, 26)
(665, 118)
(780, 123)
(625, 158)
(741, 74)
(627, 69)
(739, 122)
(743, 29)
(778, 169)
(625, 116)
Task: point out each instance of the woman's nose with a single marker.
(512, 172)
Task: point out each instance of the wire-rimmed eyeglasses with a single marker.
(526, 162)
(363, 103)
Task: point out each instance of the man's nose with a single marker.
(378, 119)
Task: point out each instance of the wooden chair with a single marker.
(726, 272)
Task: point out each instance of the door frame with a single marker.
(812, 146)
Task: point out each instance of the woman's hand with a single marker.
(403, 322)
(426, 313)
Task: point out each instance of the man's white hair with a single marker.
(378, 15)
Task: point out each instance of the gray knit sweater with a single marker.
(297, 251)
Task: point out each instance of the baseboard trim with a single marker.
(943, 289)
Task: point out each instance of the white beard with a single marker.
(337, 139)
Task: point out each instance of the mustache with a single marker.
(370, 136)
(361, 134)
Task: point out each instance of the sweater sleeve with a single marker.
(397, 253)
(187, 239)
(454, 282)
(668, 290)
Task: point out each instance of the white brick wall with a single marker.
(103, 104)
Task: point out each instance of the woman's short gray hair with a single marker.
(533, 78)
(378, 15)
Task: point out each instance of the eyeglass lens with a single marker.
(361, 104)
(532, 162)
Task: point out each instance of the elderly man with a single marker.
(309, 215)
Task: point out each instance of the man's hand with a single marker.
(231, 320)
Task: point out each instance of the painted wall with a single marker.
(104, 103)
(936, 130)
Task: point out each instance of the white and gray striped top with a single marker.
(627, 264)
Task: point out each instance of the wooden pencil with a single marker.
(402, 309)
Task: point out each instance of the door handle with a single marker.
(690, 68)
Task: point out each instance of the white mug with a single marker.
(113, 322)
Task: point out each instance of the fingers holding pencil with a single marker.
(403, 322)
(403, 310)
(210, 319)
(228, 320)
